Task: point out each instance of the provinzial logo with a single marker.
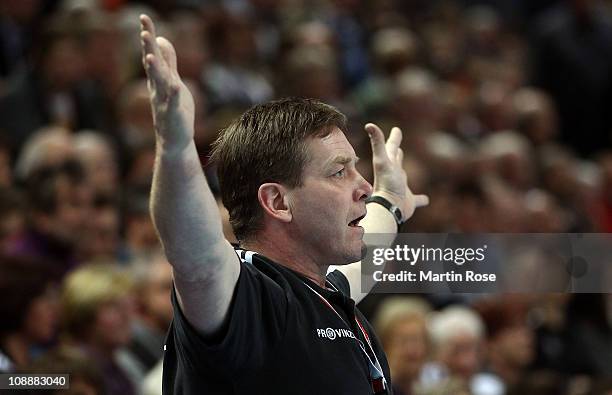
(333, 334)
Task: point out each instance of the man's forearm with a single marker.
(379, 224)
(184, 210)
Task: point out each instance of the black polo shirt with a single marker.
(281, 338)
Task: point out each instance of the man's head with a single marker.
(59, 200)
(290, 160)
(268, 143)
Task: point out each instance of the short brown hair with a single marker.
(267, 144)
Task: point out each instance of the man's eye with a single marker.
(339, 173)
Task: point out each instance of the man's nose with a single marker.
(364, 189)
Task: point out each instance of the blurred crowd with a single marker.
(505, 109)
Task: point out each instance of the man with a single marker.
(59, 200)
(266, 318)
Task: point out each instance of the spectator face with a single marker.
(64, 65)
(239, 43)
(102, 233)
(102, 53)
(101, 168)
(41, 321)
(12, 225)
(112, 325)
(516, 345)
(462, 355)
(140, 233)
(496, 109)
(407, 348)
(190, 45)
(331, 196)
(469, 216)
(141, 170)
(320, 83)
(417, 110)
(544, 124)
(135, 116)
(156, 295)
(444, 48)
(12, 217)
(72, 211)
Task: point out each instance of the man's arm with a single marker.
(183, 208)
(390, 182)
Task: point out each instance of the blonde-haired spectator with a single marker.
(402, 327)
(96, 305)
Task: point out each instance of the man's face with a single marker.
(72, 212)
(331, 198)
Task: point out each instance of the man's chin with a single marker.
(359, 256)
(364, 251)
(355, 254)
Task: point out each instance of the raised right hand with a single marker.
(171, 102)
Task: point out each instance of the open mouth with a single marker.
(355, 222)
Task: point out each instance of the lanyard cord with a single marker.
(379, 383)
(376, 365)
(363, 331)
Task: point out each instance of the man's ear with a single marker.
(273, 199)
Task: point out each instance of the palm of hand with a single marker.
(390, 179)
(171, 101)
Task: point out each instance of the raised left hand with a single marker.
(390, 179)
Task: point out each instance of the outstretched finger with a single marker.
(377, 139)
(167, 51)
(152, 68)
(421, 200)
(399, 157)
(147, 24)
(148, 36)
(393, 142)
(147, 46)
